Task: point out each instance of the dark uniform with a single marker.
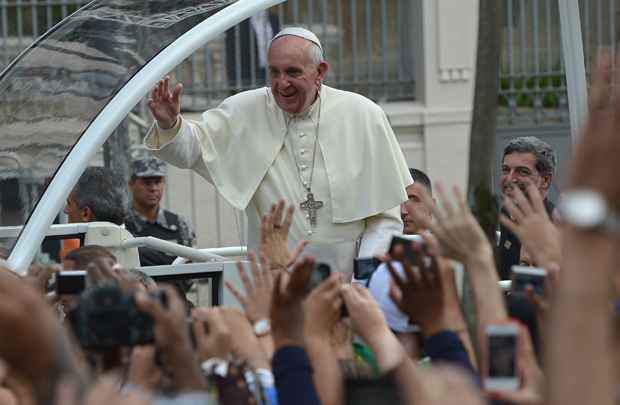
(168, 225)
(510, 247)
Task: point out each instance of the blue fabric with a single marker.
(271, 395)
(293, 374)
(447, 347)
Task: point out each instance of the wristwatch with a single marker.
(262, 327)
(587, 210)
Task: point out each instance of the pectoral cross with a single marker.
(311, 206)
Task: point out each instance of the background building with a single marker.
(416, 58)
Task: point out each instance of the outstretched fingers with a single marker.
(288, 219)
(277, 214)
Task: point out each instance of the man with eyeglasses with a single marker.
(525, 159)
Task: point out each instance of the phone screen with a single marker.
(407, 248)
(502, 356)
(364, 267)
(521, 281)
(320, 273)
(70, 282)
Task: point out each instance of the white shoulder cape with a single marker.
(240, 139)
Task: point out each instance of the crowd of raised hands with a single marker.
(292, 344)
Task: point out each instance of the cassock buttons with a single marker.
(303, 167)
(301, 134)
(310, 232)
(302, 152)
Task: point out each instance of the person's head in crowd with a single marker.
(296, 68)
(99, 195)
(146, 281)
(80, 258)
(527, 159)
(415, 214)
(147, 181)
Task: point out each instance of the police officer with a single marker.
(147, 218)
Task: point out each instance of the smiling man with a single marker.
(329, 152)
(147, 218)
(525, 159)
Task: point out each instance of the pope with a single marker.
(332, 153)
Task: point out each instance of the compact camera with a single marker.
(106, 318)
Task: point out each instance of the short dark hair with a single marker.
(103, 191)
(544, 153)
(420, 177)
(141, 277)
(83, 256)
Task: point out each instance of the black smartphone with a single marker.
(363, 267)
(321, 272)
(407, 246)
(70, 282)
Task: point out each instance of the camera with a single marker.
(106, 318)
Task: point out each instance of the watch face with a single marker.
(585, 209)
(262, 327)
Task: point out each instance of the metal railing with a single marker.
(365, 43)
(532, 75)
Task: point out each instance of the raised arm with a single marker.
(462, 239)
(581, 363)
(165, 105)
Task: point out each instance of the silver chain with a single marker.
(316, 141)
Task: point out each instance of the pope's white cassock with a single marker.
(256, 154)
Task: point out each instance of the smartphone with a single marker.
(70, 282)
(321, 272)
(405, 242)
(363, 267)
(502, 342)
(523, 276)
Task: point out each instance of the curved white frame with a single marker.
(572, 50)
(110, 117)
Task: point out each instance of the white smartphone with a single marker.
(502, 343)
(523, 276)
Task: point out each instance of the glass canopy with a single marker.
(51, 93)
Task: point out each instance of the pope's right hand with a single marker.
(164, 104)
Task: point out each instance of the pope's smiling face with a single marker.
(295, 77)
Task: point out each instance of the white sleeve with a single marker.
(180, 145)
(379, 231)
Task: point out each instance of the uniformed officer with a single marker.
(147, 218)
